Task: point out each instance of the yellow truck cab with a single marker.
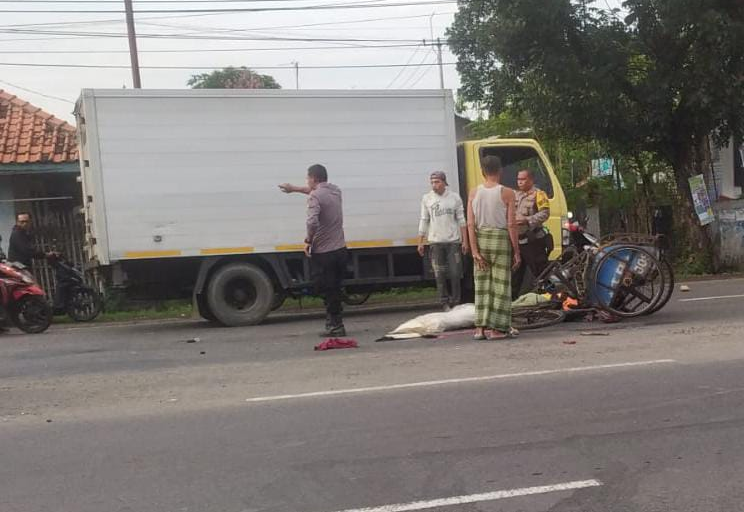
(515, 155)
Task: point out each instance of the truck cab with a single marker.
(515, 155)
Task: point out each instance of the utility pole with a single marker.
(439, 61)
(136, 81)
(438, 44)
(297, 74)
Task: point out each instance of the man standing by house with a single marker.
(21, 246)
(533, 209)
(325, 244)
(443, 225)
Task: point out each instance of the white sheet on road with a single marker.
(459, 317)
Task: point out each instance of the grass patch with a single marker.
(393, 296)
(168, 309)
(121, 311)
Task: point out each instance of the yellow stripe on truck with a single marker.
(290, 247)
(370, 243)
(357, 244)
(226, 250)
(150, 254)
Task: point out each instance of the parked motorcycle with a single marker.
(22, 301)
(73, 297)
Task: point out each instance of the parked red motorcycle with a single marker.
(22, 300)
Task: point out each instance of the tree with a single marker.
(662, 80)
(233, 78)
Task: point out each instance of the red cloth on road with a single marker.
(332, 343)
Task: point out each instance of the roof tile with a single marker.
(30, 135)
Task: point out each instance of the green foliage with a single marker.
(504, 124)
(649, 82)
(233, 78)
(657, 82)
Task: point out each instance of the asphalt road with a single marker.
(645, 415)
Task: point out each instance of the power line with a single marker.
(143, 21)
(36, 92)
(321, 7)
(152, 1)
(413, 74)
(113, 66)
(424, 73)
(109, 20)
(320, 26)
(213, 50)
(146, 1)
(402, 70)
(206, 37)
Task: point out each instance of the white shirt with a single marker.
(442, 217)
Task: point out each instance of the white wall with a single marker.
(724, 172)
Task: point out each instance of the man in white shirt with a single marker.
(443, 225)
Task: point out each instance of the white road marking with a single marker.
(475, 498)
(430, 383)
(717, 297)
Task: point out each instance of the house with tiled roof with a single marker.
(38, 164)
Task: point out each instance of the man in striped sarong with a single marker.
(492, 230)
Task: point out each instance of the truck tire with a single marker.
(240, 294)
(203, 308)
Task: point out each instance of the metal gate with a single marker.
(61, 231)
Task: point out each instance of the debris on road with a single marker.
(569, 342)
(594, 333)
(193, 340)
(684, 288)
(334, 343)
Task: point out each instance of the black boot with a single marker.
(334, 327)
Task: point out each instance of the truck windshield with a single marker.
(516, 158)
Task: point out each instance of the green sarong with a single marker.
(493, 285)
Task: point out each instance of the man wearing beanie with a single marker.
(443, 226)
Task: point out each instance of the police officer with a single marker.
(533, 209)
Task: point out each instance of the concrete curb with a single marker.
(273, 318)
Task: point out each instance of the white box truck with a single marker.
(180, 187)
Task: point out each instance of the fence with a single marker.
(62, 231)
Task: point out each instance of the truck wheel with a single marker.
(204, 311)
(240, 294)
(278, 301)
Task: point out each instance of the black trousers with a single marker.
(328, 269)
(535, 257)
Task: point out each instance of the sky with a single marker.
(348, 37)
(274, 33)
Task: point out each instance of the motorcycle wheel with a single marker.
(527, 318)
(83, 305)
(666, 269)
(32, 314)
(356, 299)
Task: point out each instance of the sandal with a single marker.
(513, 332)
(498, 335)
(479, 336)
